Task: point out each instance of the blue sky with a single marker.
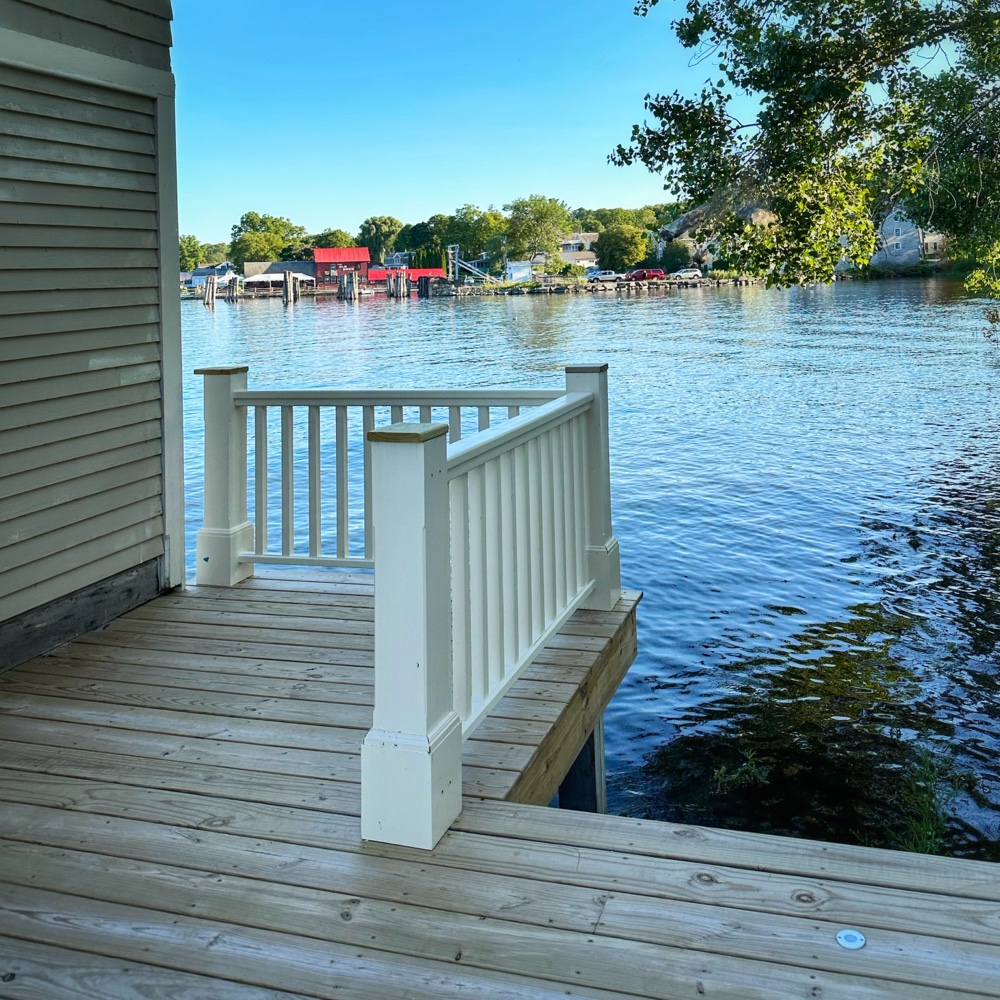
(329, 113)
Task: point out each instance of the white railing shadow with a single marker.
(482, 550)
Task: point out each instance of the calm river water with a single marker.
(807, 489)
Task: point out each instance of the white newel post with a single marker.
(602, 547)
(411, 759)
(225, 531)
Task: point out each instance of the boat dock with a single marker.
(181, 818)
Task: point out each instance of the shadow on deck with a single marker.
(180, 819)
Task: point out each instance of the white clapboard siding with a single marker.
(80, 412)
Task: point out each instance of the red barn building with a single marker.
(334, 261)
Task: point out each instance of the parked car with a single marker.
(647, 274)
(608, 276)
(687, 274)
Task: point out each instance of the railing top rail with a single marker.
(396, 397)
(488, 444)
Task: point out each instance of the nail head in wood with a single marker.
(408, 433)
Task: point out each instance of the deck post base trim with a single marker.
(411, 785)
(218, 551)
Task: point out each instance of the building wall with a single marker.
(90, 451)
(901, 244)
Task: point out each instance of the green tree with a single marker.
(846, 93)
(214, 253)
(621, 246)
(473, 228)
(675, 256)
(379, 233)
(332, 238)
(262, 237)
(535, 225)
(190, 252)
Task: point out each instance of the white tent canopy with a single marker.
(272, 279)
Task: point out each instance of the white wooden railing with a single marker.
(502, 534)
(318, 432)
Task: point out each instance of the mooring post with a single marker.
(603, 559)
(411, 759)
(226, 531)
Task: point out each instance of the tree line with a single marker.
(525, 229)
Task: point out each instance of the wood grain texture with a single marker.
(180, 806)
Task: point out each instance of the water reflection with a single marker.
(881, 727)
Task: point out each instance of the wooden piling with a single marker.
(211, 283)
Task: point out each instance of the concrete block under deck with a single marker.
(179, 807)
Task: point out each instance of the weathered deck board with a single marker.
(179, 818)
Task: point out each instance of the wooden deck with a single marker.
(179, 821)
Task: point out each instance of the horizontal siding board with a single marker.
(87, 568)
(76, 427)
(53, 218)
(65, 279)
(33, 20)
(33, 414)
(14, 350)
(83, 237)
(106, 454)
(70, 196)
(68, 258)
(87, 324)
(125, 19)
(69, 174)
(161, 8)
(43, 389)
(28, 148)
(75, 90)
(82, 486)
(14, 303)
(84, 120)
(70, 361)
(15, 122)
(96, 517)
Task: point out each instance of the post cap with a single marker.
(404, 433)
(585, 369)
(224, 370)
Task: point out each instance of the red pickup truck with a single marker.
(647, 274)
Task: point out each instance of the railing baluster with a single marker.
(522, 540)
(260, 478)
(425, 414)
(460, 636)
(454, 424)
(580, 492)
(484, 417)
(315, 485)
(396, 414)
(558, 511)
(513, 411)
(494, 560)
(343, 536)
(479, 657)
(287, 480)
(569, 509)
(548, 549)
(535, 532)
(508, 534)
(367, 424)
